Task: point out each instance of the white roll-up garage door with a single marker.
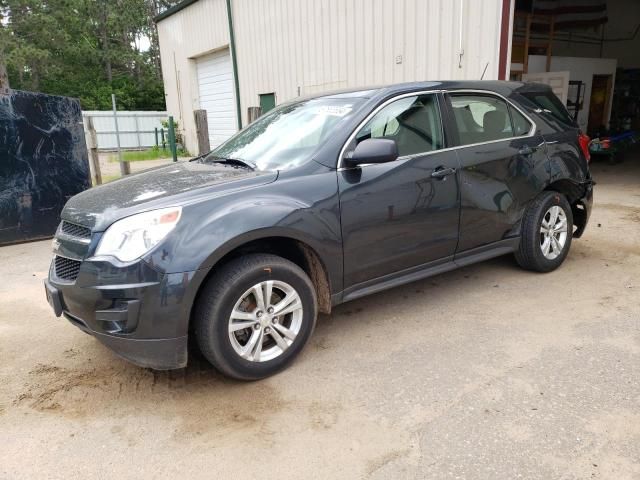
(215, 88)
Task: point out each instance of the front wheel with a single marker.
(547, 230)
(255, 315)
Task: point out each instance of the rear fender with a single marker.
(580, 197)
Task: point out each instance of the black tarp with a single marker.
(43, 162)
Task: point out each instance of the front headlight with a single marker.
(133, 236)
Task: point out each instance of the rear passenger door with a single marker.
(503, 166)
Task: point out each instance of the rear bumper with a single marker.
(139, 313)
(582, 208)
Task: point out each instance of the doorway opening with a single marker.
(601, 89)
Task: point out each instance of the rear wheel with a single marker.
(255, 315)
(547, 230)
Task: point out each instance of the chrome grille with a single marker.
(74, 230)
(66, 268)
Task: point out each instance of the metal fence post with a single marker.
(172, 140)
(135, 119)
(156, 132)
(124, 166)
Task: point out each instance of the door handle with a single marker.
(442, 172)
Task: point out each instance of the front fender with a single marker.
(211, 229)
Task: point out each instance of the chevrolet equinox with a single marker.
(318, 202)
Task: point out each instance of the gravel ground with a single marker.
(488, 372)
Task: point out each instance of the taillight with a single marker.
(584, 145)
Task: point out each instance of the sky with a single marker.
(143, 43)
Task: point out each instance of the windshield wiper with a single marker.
(231, 161)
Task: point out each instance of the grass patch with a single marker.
(154, 153)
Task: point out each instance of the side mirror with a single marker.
(373, 150)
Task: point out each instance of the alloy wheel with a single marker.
(553, 232)
(265, 321)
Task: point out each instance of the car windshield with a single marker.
(287, 136)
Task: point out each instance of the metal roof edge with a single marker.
(175, 9)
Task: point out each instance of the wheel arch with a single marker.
(573, 191)
(283, 245)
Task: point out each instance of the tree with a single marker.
(4, 42)
(86, 49)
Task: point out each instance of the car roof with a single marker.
(502, 87)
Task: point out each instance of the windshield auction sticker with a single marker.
(333, 110)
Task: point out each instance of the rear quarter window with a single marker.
(550, 105)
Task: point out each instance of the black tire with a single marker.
(218, 298)
(529, 254)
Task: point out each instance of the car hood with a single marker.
(176, 184)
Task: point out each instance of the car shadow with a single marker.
(449, 284)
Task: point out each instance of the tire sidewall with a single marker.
(218, 320)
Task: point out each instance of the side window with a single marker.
(413, 122)
(521, 126)
(481, 118)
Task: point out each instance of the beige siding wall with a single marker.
(197, 30)
(298, 47)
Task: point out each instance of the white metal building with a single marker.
(289, 48)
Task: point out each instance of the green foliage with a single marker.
(176, 128)
(87, 49)
(165, 124)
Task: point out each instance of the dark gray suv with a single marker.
(318, 202)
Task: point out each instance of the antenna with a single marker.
(484, 71)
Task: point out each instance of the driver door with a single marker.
(401, 216)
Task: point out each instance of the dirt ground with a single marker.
(110, 168)
(488, 372)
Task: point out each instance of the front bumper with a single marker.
(136, 311)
